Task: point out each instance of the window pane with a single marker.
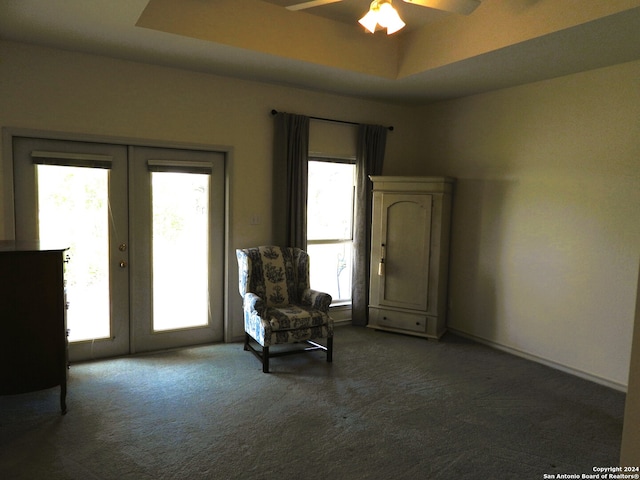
(180, 203)
(330, 269)
(73, 211)
(330, 200)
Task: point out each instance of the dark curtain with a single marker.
(290, 172)
(372, 140)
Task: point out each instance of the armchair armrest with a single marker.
(253, 303)
(316, 299)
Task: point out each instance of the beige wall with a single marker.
(546, 234)
(53, 90)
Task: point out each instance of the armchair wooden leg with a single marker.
(265, 359)
(246, 342)
(329, 349)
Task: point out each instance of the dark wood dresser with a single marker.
(33, 331)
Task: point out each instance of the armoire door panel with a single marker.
(407, 223)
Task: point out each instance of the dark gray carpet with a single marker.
(389, 407)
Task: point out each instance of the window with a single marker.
(330, 226)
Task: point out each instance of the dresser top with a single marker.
(28, 246)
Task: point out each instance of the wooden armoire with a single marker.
(410, 254)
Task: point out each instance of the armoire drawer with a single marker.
(402, 320)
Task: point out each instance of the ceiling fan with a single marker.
(382, 14)
(464, 7)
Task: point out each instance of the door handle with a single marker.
(381, 269)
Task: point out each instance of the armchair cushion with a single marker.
(293, 317)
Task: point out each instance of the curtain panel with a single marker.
(290, 180)
(372, 141)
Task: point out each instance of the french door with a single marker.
(144, 227)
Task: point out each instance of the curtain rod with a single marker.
(390, 128)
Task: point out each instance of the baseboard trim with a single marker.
(341, 314)
(341, 323)
(534, 358)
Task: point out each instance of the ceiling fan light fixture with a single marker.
(389, 18)
(370, 20)
(382, 13)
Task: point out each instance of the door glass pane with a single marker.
(73, 211)
(180, 250)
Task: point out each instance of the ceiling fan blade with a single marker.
(464, 7)
(313, 3)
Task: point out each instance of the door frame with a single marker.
(143, 335)
(7, 226)
(116, 340)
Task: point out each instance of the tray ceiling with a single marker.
(441, 56)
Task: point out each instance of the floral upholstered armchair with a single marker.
(279, 305)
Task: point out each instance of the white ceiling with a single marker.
(108, 27)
